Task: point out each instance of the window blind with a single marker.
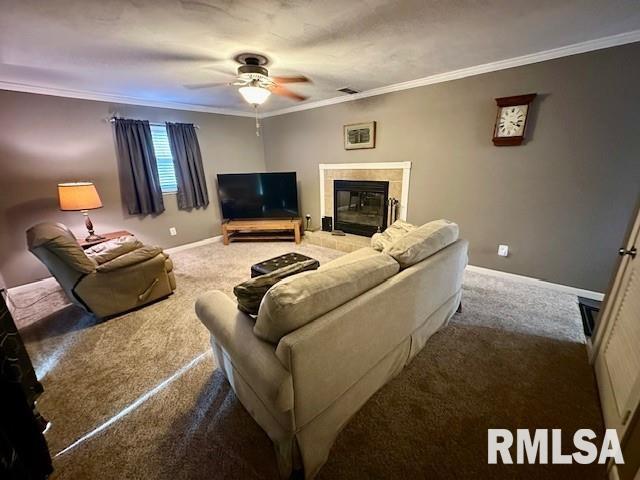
(164, 159)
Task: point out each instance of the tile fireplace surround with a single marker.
(396, 173)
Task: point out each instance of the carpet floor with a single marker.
(139, 396)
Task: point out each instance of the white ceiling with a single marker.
(149, 49)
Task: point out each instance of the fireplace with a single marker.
(360, 207)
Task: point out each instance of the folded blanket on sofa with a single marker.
(107, 251)
(398, 229)
(139, 255)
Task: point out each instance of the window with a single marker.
(164, 159)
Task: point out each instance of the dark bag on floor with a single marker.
(249, 294)
(24, 453)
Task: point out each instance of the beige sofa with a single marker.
(108, 279)
(309, 374)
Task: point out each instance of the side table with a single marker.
(106, 237)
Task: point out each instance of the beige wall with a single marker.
(561, 202)
(46, 140)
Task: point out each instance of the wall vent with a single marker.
(348, 90)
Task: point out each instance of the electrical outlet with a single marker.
(173, 232)
(503, 250)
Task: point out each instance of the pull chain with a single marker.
(257, 121)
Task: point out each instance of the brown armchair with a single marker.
(108, 279)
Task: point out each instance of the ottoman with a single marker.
(275, 263)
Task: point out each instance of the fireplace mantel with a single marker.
(375, 168)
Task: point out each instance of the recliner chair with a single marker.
(108, 279)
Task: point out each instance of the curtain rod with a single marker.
(113, 120)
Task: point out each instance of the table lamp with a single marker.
(80, 197)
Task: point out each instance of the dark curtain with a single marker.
(192, 185)
(139, 171)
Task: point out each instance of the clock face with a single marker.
(511, 121)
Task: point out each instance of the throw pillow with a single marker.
(423, 242)
(399, 228)
(249, 294)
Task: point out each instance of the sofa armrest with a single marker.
(253, 358)
(138, 255)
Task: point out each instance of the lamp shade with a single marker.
(78, 196)
(254, 95)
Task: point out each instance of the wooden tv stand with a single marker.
(261, 229)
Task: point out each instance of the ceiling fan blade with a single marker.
(285, 92)
(223, 70)
(32, 72)
(291, 79)
(109, 53)
(198, 86)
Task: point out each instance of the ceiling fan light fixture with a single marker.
(254, 95)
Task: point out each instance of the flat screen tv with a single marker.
(258, 195)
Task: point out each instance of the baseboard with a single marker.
(541, 283)
(199, 243)
(50, 280)
(487, 271)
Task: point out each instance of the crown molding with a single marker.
(365, 166)
(568, 50)
(111, 98)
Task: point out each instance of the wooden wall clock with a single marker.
(511, 119)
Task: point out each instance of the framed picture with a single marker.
(360, 135)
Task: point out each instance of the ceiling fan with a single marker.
(255, 83)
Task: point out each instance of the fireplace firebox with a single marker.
(360, 207)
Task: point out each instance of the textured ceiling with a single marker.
(150, 49)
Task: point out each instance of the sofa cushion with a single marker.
(107, 251)
(249, 294)
(423, 242)
(298, 300)
(398, 229)
(59, 241)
